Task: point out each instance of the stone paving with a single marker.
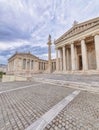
(23, 103)
(20, 108)
(12, 85)
(81, 114)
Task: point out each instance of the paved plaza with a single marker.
(22, 104)
(81, 114)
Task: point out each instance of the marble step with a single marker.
(92, 87)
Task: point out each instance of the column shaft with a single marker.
(84, 55)
(67, 58)
(61, 60)
(26, 64)
(97, 50)
(57, 60)
(73, 57)
(64, 58)
(30, 65)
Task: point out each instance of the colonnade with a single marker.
(66, 55)
(42, 65)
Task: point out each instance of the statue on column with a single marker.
(49, 40)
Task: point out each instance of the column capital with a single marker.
(82, 41)
(63, 47)
(94, 34)
(72, 42)
(83, 38)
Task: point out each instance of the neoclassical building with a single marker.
(78, 48)
(26, 64)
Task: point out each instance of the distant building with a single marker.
(26, 64)
(3, 68)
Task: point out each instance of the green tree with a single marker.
(1, 74)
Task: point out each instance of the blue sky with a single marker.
(26, 24)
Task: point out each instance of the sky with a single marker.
(26, 24)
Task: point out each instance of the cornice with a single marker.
(80, 36)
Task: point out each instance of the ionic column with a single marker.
(43, 65)
(64, 58)
(26, 64)
(54, 66)
(97, 50)
(67, 58)
(76, 62)
(30, 64)
(39, 66)
(57, 60)
(61, 60)
(13, 65)
(73, 57)
(84, 55)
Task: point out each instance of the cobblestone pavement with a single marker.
(20, 108)
(12, 85)
(69, 77)
(81, 114)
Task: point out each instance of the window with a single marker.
(24, 63)
(32, 64)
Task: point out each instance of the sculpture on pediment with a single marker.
(75, 22)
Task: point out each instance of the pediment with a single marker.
(78, 28)
(28, 55)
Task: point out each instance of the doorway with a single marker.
(80, 62)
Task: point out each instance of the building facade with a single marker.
(26, 64)
(78, 48)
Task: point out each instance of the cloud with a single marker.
(25, 25)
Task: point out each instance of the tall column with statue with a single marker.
(49, 54)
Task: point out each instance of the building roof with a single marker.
(24, 55)
(78, 28)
